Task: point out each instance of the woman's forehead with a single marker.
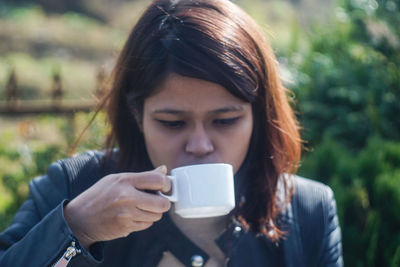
(180, 93)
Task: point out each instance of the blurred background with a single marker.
(340, 58)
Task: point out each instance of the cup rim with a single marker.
(201, 164)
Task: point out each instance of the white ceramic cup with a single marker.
(204, 190)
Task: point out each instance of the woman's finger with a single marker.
(152, 202)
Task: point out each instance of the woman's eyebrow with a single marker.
(228, 109)
(215, 111)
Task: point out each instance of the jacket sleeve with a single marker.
(38, 234)
(331, 249)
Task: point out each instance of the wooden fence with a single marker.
(13, 105)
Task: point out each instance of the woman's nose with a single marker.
(199, 142)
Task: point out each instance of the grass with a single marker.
(36, 45)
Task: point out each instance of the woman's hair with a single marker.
(212, 40)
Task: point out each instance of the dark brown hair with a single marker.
(213, 40)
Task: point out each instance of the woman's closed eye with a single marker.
(172, 124)
(226, 122)
(178, 124)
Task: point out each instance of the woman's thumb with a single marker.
(162, 169)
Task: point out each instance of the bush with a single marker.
(348, 83)
(367, 190)
(348, 90)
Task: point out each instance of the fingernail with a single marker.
(162, 169)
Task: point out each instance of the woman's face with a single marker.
(191, 121)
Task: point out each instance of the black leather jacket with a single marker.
(39, 235)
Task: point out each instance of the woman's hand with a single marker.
(117, 205)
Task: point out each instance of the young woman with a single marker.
(196, 82)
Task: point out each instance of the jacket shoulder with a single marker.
(310, 191)
(80, 171)
(312, 201)
(66, 178)
(74, 166)
(314, 209)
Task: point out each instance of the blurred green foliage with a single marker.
(348, 83)
(345, 74)
(347, 86)
(367, 190)
(29, 146)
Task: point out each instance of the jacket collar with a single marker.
(176, 242)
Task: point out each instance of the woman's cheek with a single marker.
(163, 148)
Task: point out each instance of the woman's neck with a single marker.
(202, 231)
(215, 223)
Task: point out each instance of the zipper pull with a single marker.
(68, 255)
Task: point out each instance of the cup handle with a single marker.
(174, 196)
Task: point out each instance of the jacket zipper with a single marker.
(68, 255)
